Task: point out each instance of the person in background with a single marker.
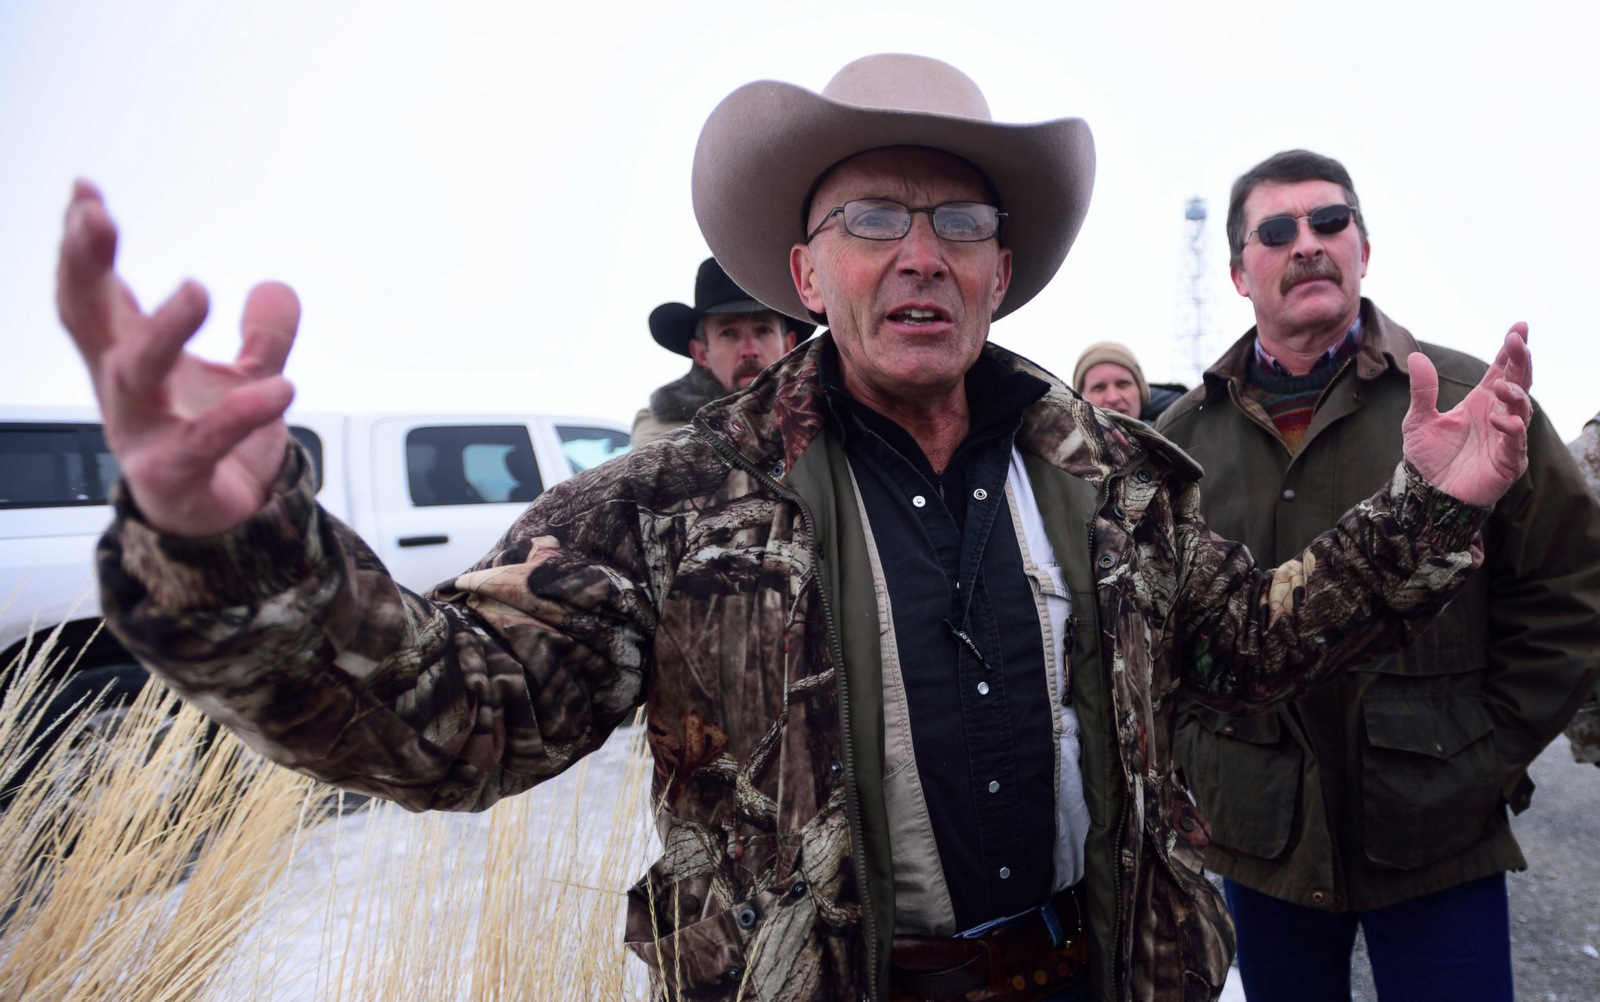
(1380, 801)
(1109, 376)
(729, 339)
(1584, 731)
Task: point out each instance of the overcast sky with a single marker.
(480, 203)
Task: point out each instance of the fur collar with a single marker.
(679, 399)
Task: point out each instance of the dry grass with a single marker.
(170, 864)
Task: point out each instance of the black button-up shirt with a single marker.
(970, 645)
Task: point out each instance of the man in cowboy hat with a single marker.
(1382, 802)
(730, 339)
(907, 613)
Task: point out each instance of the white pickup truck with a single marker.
(430, 493)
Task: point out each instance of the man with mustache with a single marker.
(729, 336)
(1379, 801)
(909, 617)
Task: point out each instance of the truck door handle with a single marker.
(423, 540)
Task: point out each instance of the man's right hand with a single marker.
(200, 444)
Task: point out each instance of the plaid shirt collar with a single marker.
(1336, 354)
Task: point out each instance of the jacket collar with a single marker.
(679, 399)
(779, 415)
(1384, 345)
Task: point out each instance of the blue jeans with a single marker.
(1450, 946)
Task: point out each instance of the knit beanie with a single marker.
(1110, 351)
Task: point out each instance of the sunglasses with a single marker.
(882, 219)
(1276, 231)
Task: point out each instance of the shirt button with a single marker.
(1105, 561)
(980, 494)
(1005, 873)
(1317, 896)
(1143, 476)
(983, 688)
(994, 786)
(1288, 495)
(919, 501)
(1119, 513)
(836, 768)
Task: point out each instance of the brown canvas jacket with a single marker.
(1584, 731)
(1394, 781)
(715, 577)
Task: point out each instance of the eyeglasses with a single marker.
(882, 219)
(1275, 231)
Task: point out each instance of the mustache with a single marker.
(1308, 269)
(749, 367)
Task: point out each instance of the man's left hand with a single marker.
(1477, 449)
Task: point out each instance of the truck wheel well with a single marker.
(98, 647)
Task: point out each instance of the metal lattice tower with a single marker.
(1191, 336)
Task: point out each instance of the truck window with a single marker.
(471, 464)
(313, 443)
(54, 465)
(586, 448)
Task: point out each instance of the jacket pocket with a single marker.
(1244, 773)
(748, 950)
(1428, 772)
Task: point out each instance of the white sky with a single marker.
(479, 203)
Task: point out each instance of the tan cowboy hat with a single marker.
(768, 142)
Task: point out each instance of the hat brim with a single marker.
(768, 142)
(672, 324)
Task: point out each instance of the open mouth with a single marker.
(915, 316)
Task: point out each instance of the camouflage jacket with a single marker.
(716, 575)
(1584, 732)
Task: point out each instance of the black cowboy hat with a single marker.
(673, 324)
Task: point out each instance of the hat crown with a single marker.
(903, 82)
(713, 287)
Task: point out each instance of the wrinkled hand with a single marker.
(199, 443)
(1479, 448)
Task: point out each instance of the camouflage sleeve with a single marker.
(1255, 636)
(1584, 731)
(289, 631)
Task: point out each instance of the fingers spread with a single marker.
(212, 434)
(150, 358)
(1518, 406)
(1515, 358)
(271, 317)
(85, 282)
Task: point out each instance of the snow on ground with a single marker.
(364, 893)
(358, 888)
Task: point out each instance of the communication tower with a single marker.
(1192, 333)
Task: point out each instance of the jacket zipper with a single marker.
(1111, 779)
(846, 752)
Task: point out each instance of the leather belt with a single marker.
(1038, 954)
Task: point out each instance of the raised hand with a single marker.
(1477, 449)
(199, 443)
